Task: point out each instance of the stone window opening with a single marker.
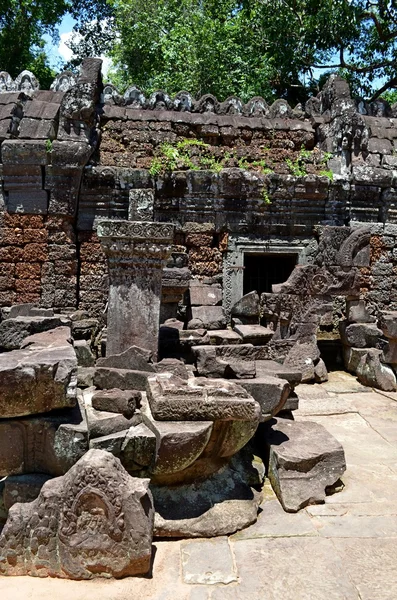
(262, 270)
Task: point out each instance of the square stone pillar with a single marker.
(136, 253)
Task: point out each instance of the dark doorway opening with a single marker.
(261, 271)
(332, 354)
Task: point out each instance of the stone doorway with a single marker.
(261, 270)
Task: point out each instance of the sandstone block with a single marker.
(254, 334)
(124, 402)
(22, 488)
(107, 378)
(14, 331)
(304, 460)
(361, 335)
(372, 372)
(275, 369)
(134, 358)
(94, 521)
(271, 393)
(207, 317)
(222, 337)
(204, 295)
(247, 307)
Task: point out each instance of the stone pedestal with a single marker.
(136, 253)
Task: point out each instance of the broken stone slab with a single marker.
(107, 378)
(222, 337)
(222, 504)
(232, 361)
(204, 295)
(271, 393)
(320, 372)
(207, 317)
(85, 357)
(85, 377)
(254, 334)
(352, 357)
(248, 307)
(199, 399)
(361, 335)
(134, 358)
(172, 365)
(304, 460)
(275, 369)
(40, 377)
(22, 488)
(85, 329)
(124, 402)
(102, 423)
(139, 448)
(303, 356)
(95, 521)
(372, 372)
(14, 331)
(357, 312)
(388, 324)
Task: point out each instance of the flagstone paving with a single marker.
(343, 549)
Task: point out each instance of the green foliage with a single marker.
(296, 167)
(328, 174)
(265, 197)
(48, 145)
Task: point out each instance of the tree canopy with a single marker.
(273, 48)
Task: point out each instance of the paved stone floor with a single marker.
(343, 549)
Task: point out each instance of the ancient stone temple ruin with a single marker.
(171, 269)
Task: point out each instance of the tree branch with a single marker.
(391, 83)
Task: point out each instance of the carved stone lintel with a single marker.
(136, 253)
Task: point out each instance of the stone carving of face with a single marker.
(26, 85)
(64, 84)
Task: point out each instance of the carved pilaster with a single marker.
(136, 253)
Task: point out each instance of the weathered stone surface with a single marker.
(85, 357)
(199, 399)
(222, 504)
(106, 378)
(204, 295)
(94, 521)
(233, 361)
(320, 372)
(247, 307)
(136, 252)
(46, 444)
(275, 369)
(28, 310)
(390, 352)
(22, 488)
(40, 377)
(304, 460)
(372, 372)
(361, 335)
(357, 312)
(138, 449)
(14, 331)
(134, 358)
(223, 337)
(172, 365)
(208, 562)
(124, 402)
(271, 393)
(303, 356)
(254, 334)
(388, 324)
(85, 377)
(207, 317)
(101, 423)
(352, 357)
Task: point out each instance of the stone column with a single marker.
(136, 253)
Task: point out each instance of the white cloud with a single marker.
(66, 53)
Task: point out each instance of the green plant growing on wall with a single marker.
(296, 167)
(48, 145)
(265, 196)
(327, 173)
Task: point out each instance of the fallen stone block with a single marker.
(303, 356)
(357, 312)
(320, 372)
(274, 369)
(172, 365)
(134, 358)
(100, 423)
(40, 377)
(124, 402)
(95, 521)
(207, 317)
(352, 357)
(254, 334)
(204, 295)
(372, 372)
(222, 337)
(107, 378)
(271, 393)
(28, 310)
(85, 377)
(224, 361)
(14, 331)
(85, 357)
(247, 308)
(304, 460)
(388, 324)
(361, 335)
(199, 399)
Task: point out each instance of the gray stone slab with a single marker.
(357, 526)
(273, 521)
(288, 569)
(371, 566)
(208, 562)
(254, 334)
